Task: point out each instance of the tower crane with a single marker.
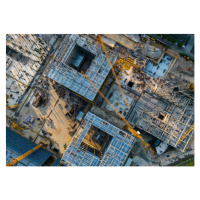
(129, 127)
(14, 161)
(13, 106)
(99, 41)
(186, 134)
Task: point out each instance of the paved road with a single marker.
(179, 50)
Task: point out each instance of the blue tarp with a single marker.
(29, 118)
(21, 145)
(80, 115)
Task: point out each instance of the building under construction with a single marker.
(24, 55)
(164, 119)
(148, 106)
(98, 143)
(78, 54)
(165, 111)
(159, 116)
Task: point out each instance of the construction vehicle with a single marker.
(191, 87)
(144, 39)
(13, 106)
(16, 126)
(14, 161)
(128, 126)
(99, 41)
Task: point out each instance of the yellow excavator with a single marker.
(17, 126)
(14, 161)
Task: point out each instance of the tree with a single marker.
(174, 41)
(191, 163)
(164, 36)
(170, 38)
(180, 44)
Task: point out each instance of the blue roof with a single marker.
(57, 162)
(80, 115)
(21, 145)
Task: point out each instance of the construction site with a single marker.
(97, 100)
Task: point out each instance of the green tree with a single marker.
(174, 41)
(170, 38)
(191, 163)
(180, 44)
(164, 36)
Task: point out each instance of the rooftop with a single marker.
(159, 70)
(113, 143)
(81, 56)
(164, 119)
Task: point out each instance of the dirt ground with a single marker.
(179, 71)
(123, 40)
(58, 131)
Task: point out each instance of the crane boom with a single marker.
(14, 161)
(13, 106)
(130, 128)
(98, 38)
(186, 134)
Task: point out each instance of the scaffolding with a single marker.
(65, 75)
(164, 119)
(115, 154)
(174, 93)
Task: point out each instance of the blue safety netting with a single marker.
(21, 145)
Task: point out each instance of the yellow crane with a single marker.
(191, 87)
(129, 127)
(13, 106)
(99, 41)
(14, 161)
(16, 126)
(186, 134)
